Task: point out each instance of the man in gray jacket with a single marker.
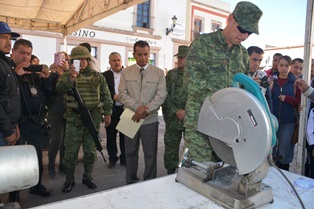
(143, 90)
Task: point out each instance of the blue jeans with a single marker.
(283, 146)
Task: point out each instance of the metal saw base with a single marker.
(222, 196)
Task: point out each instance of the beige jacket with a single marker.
(149, 91)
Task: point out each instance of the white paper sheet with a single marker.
(126, 125)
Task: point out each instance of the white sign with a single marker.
(108, 36)
(133, 39)
(178, 30)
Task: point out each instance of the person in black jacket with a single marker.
(113, 80)
(33, 105)
(10, 98)
(10, 107)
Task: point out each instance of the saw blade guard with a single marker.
(238, 125)
(252, 87)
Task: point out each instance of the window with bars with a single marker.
(143, 15)
(197, 27)
(215, 25)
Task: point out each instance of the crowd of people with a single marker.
(206, 66)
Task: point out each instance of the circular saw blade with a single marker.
(238, 128)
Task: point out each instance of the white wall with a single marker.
(163, 21)
(122, 20)
(293, 52)
(106, 50)
(43, 47)
(215, 3)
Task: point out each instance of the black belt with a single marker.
(121, 106)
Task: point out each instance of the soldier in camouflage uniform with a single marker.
(212, 61)
(173, 111)
(96, 96)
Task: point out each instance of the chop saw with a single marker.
(241, 131)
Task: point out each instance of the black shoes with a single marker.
(89, 182)
(111, 165)
(171, 171)
(14, 196)
(67, 186)
(40, 190)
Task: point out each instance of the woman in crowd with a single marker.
(55, 115)
(286, 98)
(34, 60)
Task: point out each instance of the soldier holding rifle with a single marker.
(95, 94)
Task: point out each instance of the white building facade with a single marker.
(147, 21)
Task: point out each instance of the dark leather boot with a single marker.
(67, 186)
(39, 189)
(89, 182)
(14, 196)
(283, 166)
(171, 171)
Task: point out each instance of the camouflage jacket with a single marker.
(176, 98)
(64, 85)
(210, 66)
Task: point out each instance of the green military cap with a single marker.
(80, 52)
(247, 15)
(182, 51)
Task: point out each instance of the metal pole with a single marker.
(65, 41)
(306, 76)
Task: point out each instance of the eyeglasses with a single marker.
(241, 29)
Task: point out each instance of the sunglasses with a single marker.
(241, 29)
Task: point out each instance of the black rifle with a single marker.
(87, 120)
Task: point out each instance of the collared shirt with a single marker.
(145, 67)
(117, 77)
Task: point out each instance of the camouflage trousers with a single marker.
(199, 146)
(172, 139)
(74, 137)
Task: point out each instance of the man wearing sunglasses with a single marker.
(212, 61)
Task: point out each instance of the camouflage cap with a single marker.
(182, 51)
(247, 15)
(80, 52)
